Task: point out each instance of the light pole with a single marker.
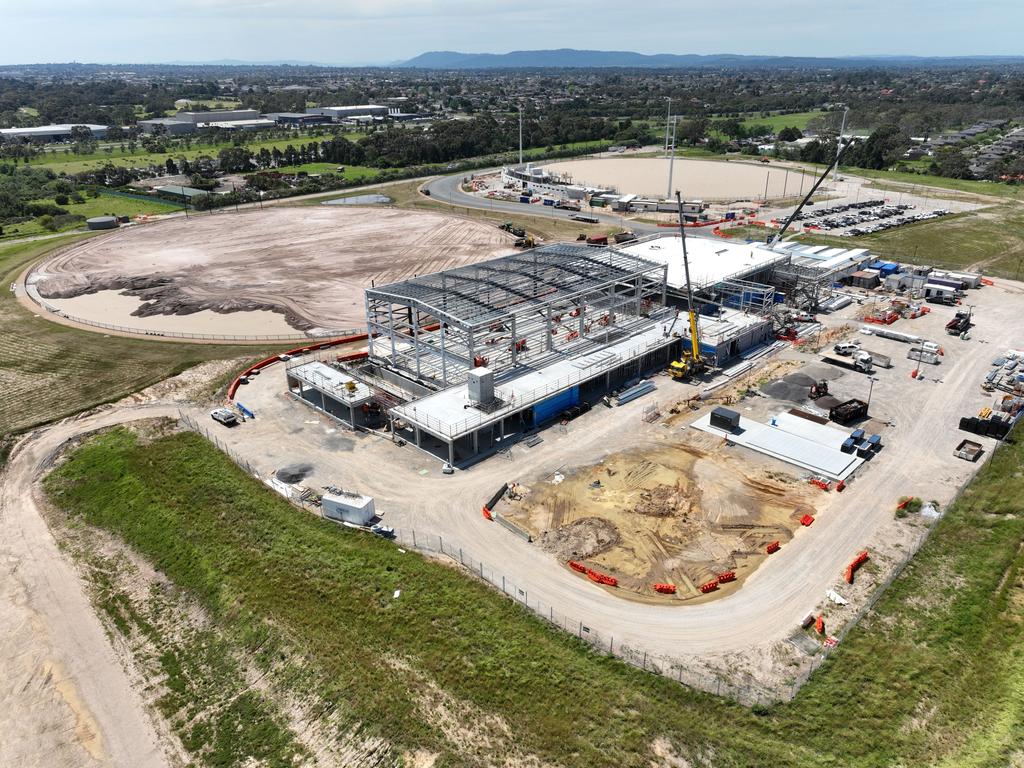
(871, 388)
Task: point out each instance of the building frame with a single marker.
(531, 308)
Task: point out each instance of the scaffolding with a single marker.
(530, 308)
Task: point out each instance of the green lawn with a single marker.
(48, 371)
(61, 162)
(352, 172)
(934, 676)
(779, 121)
(105, 204)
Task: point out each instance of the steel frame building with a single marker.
(531, 308)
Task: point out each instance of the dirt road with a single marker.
(65, 699)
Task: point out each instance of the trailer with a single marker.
(923, 355)
(968, 450)
(879, 360)
(859, 361)
(940, 294)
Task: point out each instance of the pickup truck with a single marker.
(224, 416)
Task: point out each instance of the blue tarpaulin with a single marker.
(553, 406)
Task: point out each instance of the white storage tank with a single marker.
(352, 508)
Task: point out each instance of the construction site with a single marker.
(626, 432)
(301, 269)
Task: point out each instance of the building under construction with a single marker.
(484, 352)
(464, 359)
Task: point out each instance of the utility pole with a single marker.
(671, 162)
(871, 388)
(668, 121)
(839, 143)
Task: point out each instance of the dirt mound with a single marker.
(581, 539)
(294, 473)
(661, 501)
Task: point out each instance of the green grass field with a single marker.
(48, 371)
(990, 240)
(778, 122)
(61, 162)
(103, 205)
(934, 676)
(352, 172)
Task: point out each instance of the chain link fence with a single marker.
(750, 694)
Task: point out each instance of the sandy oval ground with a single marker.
(309, 264)
(696, 179)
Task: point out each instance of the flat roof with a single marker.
(332, 382)
(449, 414)
(45, 129)
(711, 261)
(515, 284)
(815, 447)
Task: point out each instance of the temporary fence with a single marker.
(750, 693)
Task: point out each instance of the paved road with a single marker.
(447, 189)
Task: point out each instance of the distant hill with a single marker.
(568, 58)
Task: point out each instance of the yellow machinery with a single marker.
(691, 364)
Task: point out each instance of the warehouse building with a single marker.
(297, 119)
(168, 125)
(218, 116)
(48, 133)
(349, 112)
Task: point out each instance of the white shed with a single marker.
(348, 508)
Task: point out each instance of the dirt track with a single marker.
(309, 263)
(65, 701)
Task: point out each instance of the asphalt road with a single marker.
(447, 189)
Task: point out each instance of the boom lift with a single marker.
(692, 364)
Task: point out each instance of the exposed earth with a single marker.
(309, 264)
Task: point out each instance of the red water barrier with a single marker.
(602, 578)
(856, 563)
(819, 625)
(710, 586)
(825, 485)
(725, 578)
(579, 567)
(297, 351)
(986, 281)
(665, 589)
(806, 520)
(772, 548)
(841, 486)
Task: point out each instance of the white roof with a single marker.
(46, 129)
(332, 381)
(711, 261)
(446, 413)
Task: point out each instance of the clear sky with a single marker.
(384, 31)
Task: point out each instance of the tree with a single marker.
(172, 169)
(790, 133)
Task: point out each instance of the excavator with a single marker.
(691, 364)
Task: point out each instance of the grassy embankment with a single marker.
(103, 205)
(934, 676)
(48, 371)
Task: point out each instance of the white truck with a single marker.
(855, 361)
